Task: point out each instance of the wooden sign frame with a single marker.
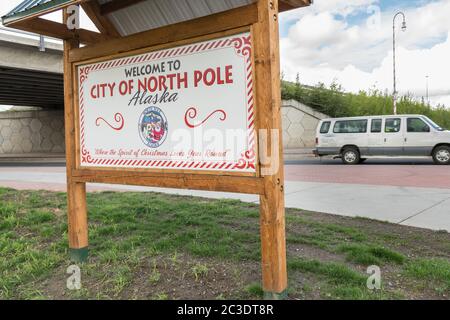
(261, 20)
(247, 165)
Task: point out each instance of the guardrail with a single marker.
(40, 38)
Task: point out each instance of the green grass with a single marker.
(199, 270)
(334, 272)
(435, 272)
(321, 234)
(370, 255)
(144, 245)
(337, 281)
(255, 290)
(155, 276)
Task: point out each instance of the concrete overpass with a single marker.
(31, 75)
(30, 70)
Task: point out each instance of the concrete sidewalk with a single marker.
(419, 207)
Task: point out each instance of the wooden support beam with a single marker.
(232, 19)
(58, 30)
(209, 182)
(286, 5)
(76, 191)
(116, 5)
(103, 24)
(40, 13)
(294, 3)
(268, 103)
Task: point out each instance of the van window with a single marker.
(392, 125)
(376, 125)
(417, 125)
(325, 127)
(432, 123)
(350, 126)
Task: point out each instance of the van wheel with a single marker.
(441, 155)
(350, 155)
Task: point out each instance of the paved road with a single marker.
(412, 193)
(400, 173)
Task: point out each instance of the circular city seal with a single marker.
(153, 127)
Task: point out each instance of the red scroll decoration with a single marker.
(191, 113)
(243, 46)
(84, 71)
(117, 117)
(247, 161)
(86, 156)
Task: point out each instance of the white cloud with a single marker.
(8, 5)
(323, 46)
(339, 7)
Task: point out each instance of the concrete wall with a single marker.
(41, 133)
(299, 125)
(31, 133)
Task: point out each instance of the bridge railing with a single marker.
(29, 35)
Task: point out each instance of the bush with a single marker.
(334, 102)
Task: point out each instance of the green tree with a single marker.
(334, 102)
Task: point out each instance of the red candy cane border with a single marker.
(243, 48)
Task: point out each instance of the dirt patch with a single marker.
(191, 278)
(412, 241)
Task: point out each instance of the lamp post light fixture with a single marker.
(395, 79)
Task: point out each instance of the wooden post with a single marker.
(76, 191)
(268, 98)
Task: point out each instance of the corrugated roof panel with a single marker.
(144, 15)
(153, 14)
(26, 5)
(31, 7)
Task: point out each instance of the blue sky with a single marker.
(360, 16)
(351, 42)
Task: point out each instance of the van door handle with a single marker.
(385, 140)
(406, 139)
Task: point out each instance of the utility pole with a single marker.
(395, 76)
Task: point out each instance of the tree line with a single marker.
(334, 102)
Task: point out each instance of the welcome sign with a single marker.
(183, 108)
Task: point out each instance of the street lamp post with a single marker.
(395, 79)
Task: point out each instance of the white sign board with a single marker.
(184, 108)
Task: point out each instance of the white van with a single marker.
(358, 138)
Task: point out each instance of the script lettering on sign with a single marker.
(184, 108)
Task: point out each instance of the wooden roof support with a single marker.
(297, 3)
(286, 5)
(116, 5)
(103, 24)
(231, 19)
(97, 12)
(58, 30)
